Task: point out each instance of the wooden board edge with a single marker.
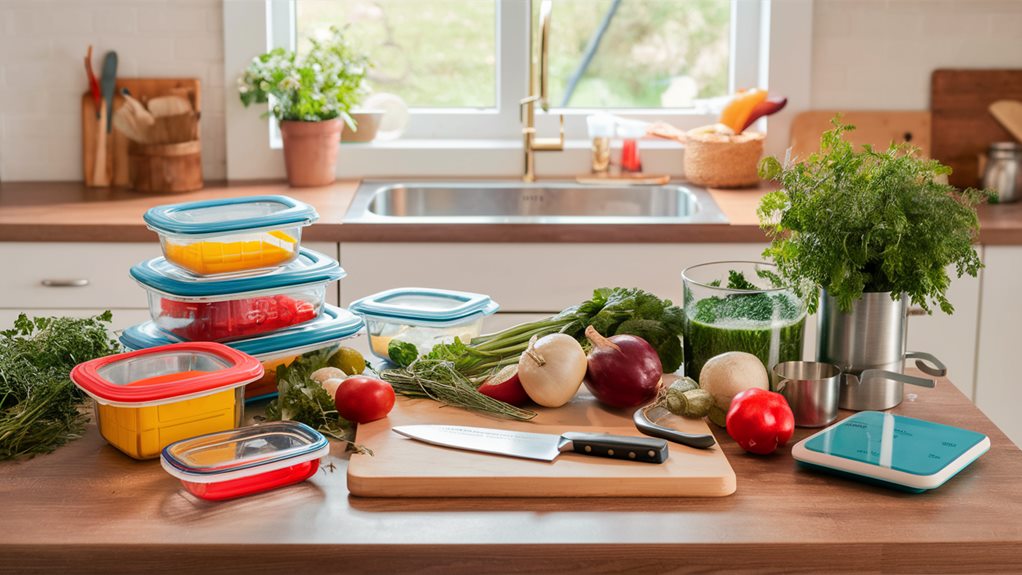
(520, 487)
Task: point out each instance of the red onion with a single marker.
(624, 370)
(505, 386)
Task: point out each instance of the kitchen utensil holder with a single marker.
(166, 167)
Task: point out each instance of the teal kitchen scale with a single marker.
(893, 450)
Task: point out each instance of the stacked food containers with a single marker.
(233, 271)
(233, 297)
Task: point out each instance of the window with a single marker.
(462, 66)
(638, 53)
(433, 54)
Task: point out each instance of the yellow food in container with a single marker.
(209, 257)
(148, 399)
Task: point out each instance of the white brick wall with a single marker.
(42, 43)
(878, 54)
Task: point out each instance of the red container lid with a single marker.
(165, 373)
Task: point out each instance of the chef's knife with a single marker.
(542, 446)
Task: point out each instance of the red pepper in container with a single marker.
(226, 320)
(239, 307)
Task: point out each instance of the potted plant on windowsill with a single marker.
(874, 230)
(310, 96)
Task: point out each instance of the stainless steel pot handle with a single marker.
(867, 374)
(921, 357)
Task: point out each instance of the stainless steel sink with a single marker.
(517, 202)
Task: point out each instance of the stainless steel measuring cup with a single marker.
(812, 388)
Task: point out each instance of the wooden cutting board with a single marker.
(963, 127)
(141, 89)
(402, 467)
(877, 128)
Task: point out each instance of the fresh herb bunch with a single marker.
(439, 380)
(324, 84)
(40, 408)
(861, 221)
(302, 399)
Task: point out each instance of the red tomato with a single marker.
(364, 399)
(760, 421)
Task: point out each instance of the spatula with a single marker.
(1009, 114)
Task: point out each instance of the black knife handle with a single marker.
(619, 446)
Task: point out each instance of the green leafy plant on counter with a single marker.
(40, 408)
(326, 83)
(853, 221)
(302, 399)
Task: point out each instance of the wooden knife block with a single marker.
(117, 166)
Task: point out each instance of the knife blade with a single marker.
(540, 446)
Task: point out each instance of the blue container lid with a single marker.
(424, 305)
(332, 325)
(229, 215)
(308, 268)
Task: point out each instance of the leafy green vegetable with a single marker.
(402, 353)
(40, 408)
(854, 221)
(302, 399)
(736, 280)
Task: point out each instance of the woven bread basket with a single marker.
(719, 161)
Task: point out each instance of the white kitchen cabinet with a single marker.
(951, 338)
(998, 392)
(541, 277)
(83, 278)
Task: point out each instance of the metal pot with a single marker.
(868, 344)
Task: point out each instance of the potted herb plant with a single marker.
(310, 95)
(874, 230)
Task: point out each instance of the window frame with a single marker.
(435, 140)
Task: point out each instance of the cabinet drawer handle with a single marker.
(81, 282)
(917, 311)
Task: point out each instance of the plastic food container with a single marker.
(423, 317)
(245, 461)
(231, 235)
(332, 327)
(232, 308)
(148, 399)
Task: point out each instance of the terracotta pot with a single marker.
(310, 151)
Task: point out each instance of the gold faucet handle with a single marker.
(550, 144)
(522, 105)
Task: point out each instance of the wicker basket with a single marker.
(719, 161)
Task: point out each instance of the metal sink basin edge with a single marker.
(511, 202)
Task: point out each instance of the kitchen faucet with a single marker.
(531, 144)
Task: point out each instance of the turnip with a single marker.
(728, 374)
(552, 368)
(624, 370)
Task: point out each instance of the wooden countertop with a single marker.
(88, 508)
(68, 211)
